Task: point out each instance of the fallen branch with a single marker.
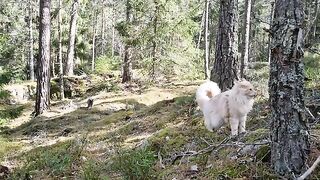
(160, 160)
(309, 171)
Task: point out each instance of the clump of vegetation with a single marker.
(135, 164)
(10, 113)
(7, 147)
(57, 161)
(105, 64)
(312, 69)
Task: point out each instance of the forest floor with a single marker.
(141, 132)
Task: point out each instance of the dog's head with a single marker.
(244, 88)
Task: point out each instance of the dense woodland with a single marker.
(104, 89)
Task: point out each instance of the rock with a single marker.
(194, 168)
(4, 172)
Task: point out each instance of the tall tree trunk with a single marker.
(206, 25)
(31, 56)
(103, 43)
(61, 83)
(113, 29)
(246, 34)
(127, 64)
(94, 40)
(269, 40)
(72, 37)
(201, 28)
(154, 41)
(289, 132)
(43, 70)
(226, 65)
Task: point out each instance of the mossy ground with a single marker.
(146, 129)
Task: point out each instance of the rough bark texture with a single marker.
(127, 64)
(31, 59)
(246, 34)
(43, 70)
(93, 40)
(61, 83)
(269, 40)
(289, 132)
(226, 65)
(72, 37)
(154, 41)
(206, 26)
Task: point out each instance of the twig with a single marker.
(160, 160)
(310, 113)
(309, 171)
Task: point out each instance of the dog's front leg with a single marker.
(242, 124)
(234, 125)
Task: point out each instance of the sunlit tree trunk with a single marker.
(289, 132)
(94, 40)
(61, 83)
(31, 55)
(72, 37)
(43, 70)
(245, 46)
(206, 26)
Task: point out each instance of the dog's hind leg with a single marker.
(234, 125)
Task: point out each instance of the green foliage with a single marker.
(10, 113)
(135, 164)
(7, 147)
(312, 69)
(57, 161)
(105, 64)
(91, 170)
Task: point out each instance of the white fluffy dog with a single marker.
(231, 106)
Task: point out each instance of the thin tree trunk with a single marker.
(206, 25)
(61, 83)
(93, 40)
(72, 37)
(269, 41)
(43, 70)
(113, 30)
(201, 28)
(127, 64)
(154, 42)
(289, 132)
(31, 56)
(226, 65)
(245, 51)
(103, 31)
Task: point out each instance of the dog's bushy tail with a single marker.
(206, 91)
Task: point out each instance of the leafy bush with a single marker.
(105, 64)
(135, 164)
(312, 68)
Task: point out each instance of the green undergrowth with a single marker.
(8, 147)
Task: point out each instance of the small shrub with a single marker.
(135, 164)
(10, 113)
(91, 170)
(106, 64)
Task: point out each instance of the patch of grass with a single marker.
(7, 147)
(135, 164)
(256, 135)
(312, 69)
(92, 170)
(58, 160)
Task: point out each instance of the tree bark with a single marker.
(226, 65)
(269, 41)
(61, 83)
(127, 64)
(31, 55)
(154, 41)
(289, 132)
(113, 29)
(206, 26)
(72, 37)
(43, 70)
(94, 40)
(246, 34)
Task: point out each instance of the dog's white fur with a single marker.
(230, 106)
